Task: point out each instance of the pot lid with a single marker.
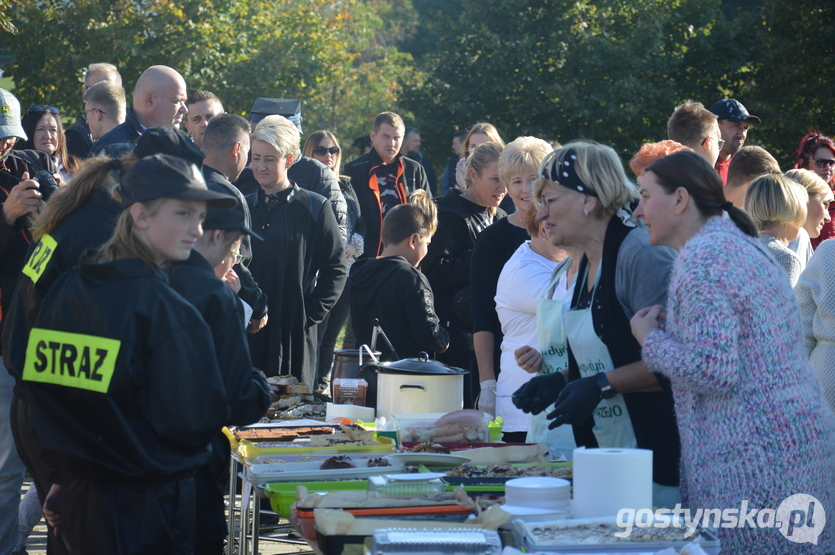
(421, 365)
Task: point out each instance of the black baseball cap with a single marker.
(168, 140)
(733, 110)
(290, 109)
(236, 217)
(163, 175)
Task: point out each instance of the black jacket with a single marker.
(246, 388)
(311, 175)
(447, 266)
(250, 293)
(411, 177)
(397, 294)
(15, 238)
(89, 227)
(79, 140)
(301, 267)
(121, 139)
(138, 392)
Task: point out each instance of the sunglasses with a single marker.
(824, 162)
(321, 150)
(50, 109)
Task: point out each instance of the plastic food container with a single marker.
(436, 541)
(282, 496)
(425, 427)
(249, 449)
(406, 485)
(539, 493)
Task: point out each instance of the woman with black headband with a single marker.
(611, 398)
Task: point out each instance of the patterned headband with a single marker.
(564, 173)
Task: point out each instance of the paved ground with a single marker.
(37, 541)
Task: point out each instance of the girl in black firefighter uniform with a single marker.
(122, 376)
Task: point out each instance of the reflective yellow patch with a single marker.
(40, 258)
(5, 109)
(71, 359)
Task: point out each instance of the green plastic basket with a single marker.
(283, 495)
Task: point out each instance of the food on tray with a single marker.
(429, 447)
(565, 533)
(282, 433)
(508, 471)
(268, 459)
(379, 461)
(340, 461)
(350, 435)
(466, 425)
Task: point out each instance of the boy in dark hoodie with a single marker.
(392, 290)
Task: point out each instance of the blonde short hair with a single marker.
(814, 184)
(279, 132)
(774, 200)
(522, 157)
(600, 169)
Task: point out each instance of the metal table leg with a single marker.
(233, 494)
(256, 521)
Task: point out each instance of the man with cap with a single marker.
(247, 392)
(159, 99)
(226, 146)
(19, 197)
(305, 172)
(734, 121)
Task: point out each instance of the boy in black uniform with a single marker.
(392, 289)
(247, 392)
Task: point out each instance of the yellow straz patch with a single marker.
(40, 258)
(71, 359)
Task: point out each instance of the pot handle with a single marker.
(370, 353)
(420, 387)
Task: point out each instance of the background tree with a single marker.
(332, 55)
(606, 70)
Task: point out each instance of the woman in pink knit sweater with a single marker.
(753, 421)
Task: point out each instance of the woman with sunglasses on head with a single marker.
(126, 413)
(322, 146)
(46, 134)
(817, 153)
(755, 428)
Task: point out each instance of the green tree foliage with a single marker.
(609, 70)
(334, 55)
(793, 59)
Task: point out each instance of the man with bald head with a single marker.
(159, 99)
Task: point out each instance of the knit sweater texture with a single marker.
(753, 421)
(815, 293)
(785, 257)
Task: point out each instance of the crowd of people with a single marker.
(153, 278)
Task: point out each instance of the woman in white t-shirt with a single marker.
(523, 281)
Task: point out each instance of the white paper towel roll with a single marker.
(608, 480)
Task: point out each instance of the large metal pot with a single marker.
(347, 363)
(416, 385)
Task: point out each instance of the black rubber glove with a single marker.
(576, 402)
(538, 394)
